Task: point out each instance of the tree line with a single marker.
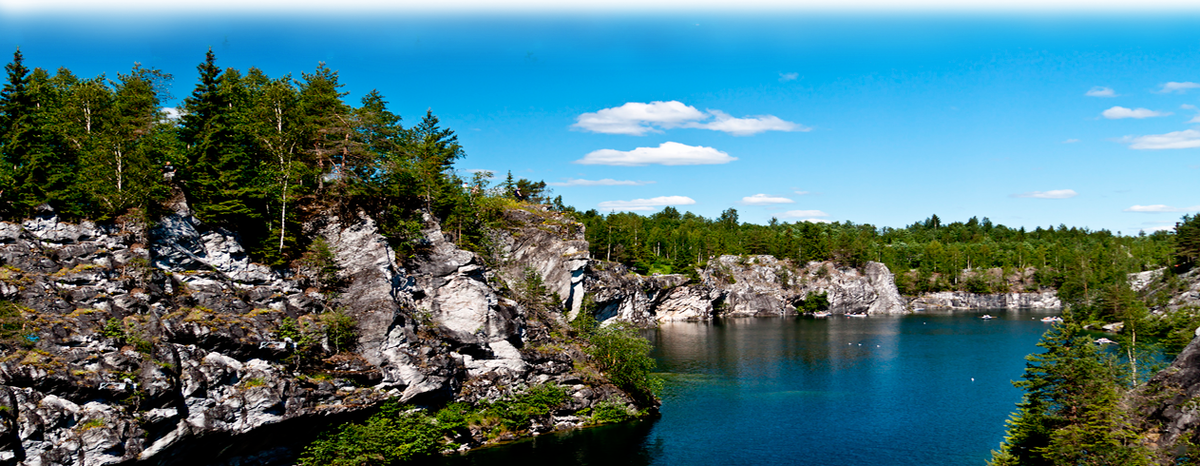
(256, 154)
(926, 256)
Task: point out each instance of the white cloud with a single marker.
(764, 199)
(604, 182)
(647, 204)
(1160, 228)
(785, 77)
(1185, 139)
(804, 213)
(172, 113)
(1100, 91)
(746, 126)
(1052, 194)
(1117, 113)
(1178, 87)
(802, 193)
(1157, 208)
(667, 153)
(1070, 141)
(637, 119)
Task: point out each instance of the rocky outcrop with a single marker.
(1188, 293)
(964, 300)
(739, 286)
(1168, 406)
(547, 244)
(123, 344)
(621, 295)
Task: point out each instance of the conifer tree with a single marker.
(219, 172)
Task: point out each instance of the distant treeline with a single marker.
(926, 256)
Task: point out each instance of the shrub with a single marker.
(340, 330)
(814, 302)
(391, 435)
(624, 357)
(611, 412)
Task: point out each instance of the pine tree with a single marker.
(1070, 412)
(220, 172)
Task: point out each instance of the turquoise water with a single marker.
(921, 389)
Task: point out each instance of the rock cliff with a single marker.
(965, 300)
(734, 286)
(128, 344)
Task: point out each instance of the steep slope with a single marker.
(166, 345)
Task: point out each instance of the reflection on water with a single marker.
(922, 389)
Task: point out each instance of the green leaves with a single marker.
(1071, 412)
(621, 353)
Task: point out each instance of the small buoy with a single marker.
(972, 379)
(876, 346)
(860, 344)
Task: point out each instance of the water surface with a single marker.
(921, 389)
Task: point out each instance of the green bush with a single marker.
(398, 433)
(624, 357)
(340, 330)
(611, 412)
(814, 302)
(515, 413)
(390, 436)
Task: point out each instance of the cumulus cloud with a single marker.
(637, 119)
(1178, 87)
(1100, 91)
(1071, 141)
(172, 113)
(647, 204)
(604, 182)
(785, 77)
(1158, 208)
(1052, 194)
(1185, 139)
(667, 153)
(764, 199)
(746, 126)
(805, 213)
(1117, 113)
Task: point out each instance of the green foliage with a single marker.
(340, 330)
(113, 328)
(320, 260)
(1070, 413)
(13, 328)
(1174, 330)
(514, 413)
(623, 356)
(814, 302)
(393, 435)
(1187, 238)
(611, 412)
(400, 433)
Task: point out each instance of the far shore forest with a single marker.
(261, 156)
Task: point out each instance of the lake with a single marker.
(922, 389)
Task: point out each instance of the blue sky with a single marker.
(881, 118)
